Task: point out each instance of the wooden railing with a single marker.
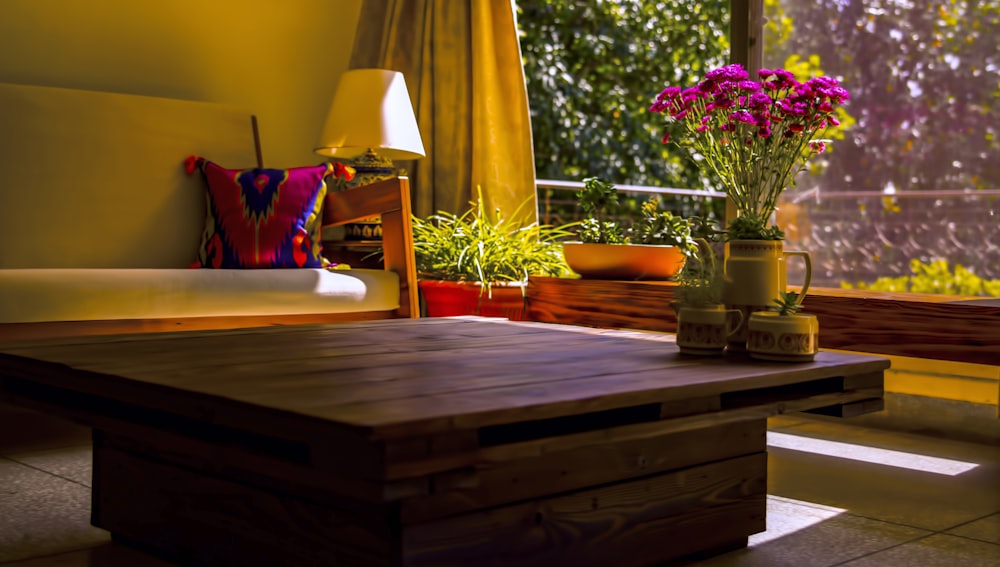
(899, 324)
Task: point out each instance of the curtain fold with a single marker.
(462, 64)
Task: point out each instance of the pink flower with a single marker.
(752, 132)
(743, 116)
(734, 72)
(817, 147)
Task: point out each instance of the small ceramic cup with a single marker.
(703, 330)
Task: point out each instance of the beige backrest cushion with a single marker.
(96, 180)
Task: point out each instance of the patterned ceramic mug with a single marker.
(704, 330)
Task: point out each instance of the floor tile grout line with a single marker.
(884, 549)
(931, 533)
(59, 476)
(956, 526)
(969, 538)
(846, 512)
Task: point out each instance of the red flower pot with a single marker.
(448, 299)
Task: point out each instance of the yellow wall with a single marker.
(959, 381)
(944, 379)
(279, 59)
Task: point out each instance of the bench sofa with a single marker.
(100, 223)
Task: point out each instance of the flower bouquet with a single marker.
(755, 135)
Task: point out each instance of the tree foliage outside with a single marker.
(934, 277)
(593, 67)
(924, 78)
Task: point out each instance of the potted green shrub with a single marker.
(654, 247)
(783, 333)
(476, 264)
(703, 322)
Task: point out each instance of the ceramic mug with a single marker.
(705, 330)
(755, 276)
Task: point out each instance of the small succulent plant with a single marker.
(787, 303)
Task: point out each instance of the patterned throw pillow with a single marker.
(263, 218)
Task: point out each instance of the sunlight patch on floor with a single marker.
(887, 457)
(787, 515)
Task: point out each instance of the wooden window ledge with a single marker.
(961, 329)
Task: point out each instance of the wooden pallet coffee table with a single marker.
(425, 442)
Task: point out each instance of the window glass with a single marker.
(593, 67)
(908, 197)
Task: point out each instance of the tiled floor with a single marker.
(823, 510)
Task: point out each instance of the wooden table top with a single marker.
(402, 378)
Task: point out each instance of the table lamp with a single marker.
(371, 123)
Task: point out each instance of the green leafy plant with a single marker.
(753, 228)
(705, 228)
(934, 277)
(471, 248)
(702, 280)
(599, 201)
(787, 303)
(662, 227)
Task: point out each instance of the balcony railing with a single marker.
(557, 199)
(851, 235)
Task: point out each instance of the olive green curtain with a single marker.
(462, 64)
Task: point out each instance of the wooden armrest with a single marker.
(389, 199)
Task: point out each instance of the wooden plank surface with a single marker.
(426, 441)
(602, 303)
(506, 474)
(401, 378)
(908, 327)
(708, 506)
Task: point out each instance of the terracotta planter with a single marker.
(449, 299)
(792, 338)
(755, 276)
(703, 331)
(623, 261)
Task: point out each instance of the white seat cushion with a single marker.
(80, 294)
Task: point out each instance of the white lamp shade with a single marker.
(371, 110)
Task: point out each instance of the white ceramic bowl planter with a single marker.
(783, 333)
(792, 337)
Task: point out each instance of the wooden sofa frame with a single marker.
(389, 199)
